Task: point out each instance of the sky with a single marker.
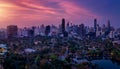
(26, 13)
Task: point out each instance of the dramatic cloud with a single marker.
(37, 12)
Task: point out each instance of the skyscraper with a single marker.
(65, 34)
(47, 30)
(63, 25)
(95, 25)
(108, 28)
(108, 24)
(68, 27)
(12, 31)
(82, 30)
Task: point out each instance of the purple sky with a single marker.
(36, 12)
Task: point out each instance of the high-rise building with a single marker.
(54, 31)
(47, 30)
(12, 31)
(81, 30)
(42, 30)
(68, 27)
(98, 31)
(108, 26)
(95, 25)
(63, 25)
(25, 32)
(108, 29)
(65, 34)
(30, 32)
(2, 35)
(37, 31)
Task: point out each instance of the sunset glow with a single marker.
(3, 11)
(37, 12)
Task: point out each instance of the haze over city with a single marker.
(36, 12)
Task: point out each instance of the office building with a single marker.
(12, 31)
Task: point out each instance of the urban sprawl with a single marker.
(68, 46)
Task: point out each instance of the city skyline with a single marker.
(65, 24)
(32, 13)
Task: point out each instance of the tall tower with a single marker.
(108, 30)
(95, 25)
(108, 24)
(47, 30)
(63, 25)
(82, 30)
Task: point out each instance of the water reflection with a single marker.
(106, 64)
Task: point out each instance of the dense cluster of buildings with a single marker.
(64, 30)
(67, 46)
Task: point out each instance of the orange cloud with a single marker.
(30, 11)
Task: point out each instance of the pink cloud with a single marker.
(26, 12)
